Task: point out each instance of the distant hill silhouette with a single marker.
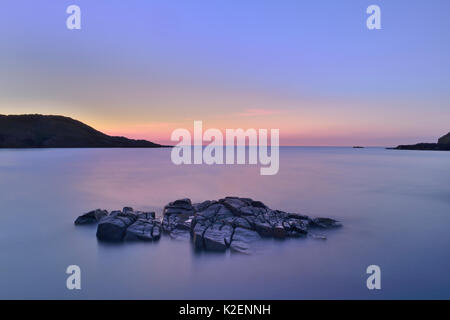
(445, 139)
(50, 131)
(443, 145)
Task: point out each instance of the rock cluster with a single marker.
(230, 223)
(234, 223)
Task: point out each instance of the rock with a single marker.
(145, 215)
(217, 237)
(241, 222)
(325, 223)
(242, 240)
(156, 232)
(115, 213)
(177, 218)
(201, 206)
(91, 217)
(235, 203)
(264, 229)
(229, 223)
(113, 228)
(182, 204)
(279, 231)
(127, 210)
(258, 204)
(143, 229)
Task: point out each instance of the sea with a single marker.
(394, 206)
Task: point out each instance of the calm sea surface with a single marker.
(395, 207)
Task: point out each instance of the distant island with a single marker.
(51, 131)
(443, 144)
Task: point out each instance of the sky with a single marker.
(309, 68)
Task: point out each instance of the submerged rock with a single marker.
(325, 223)
(91, 217)
(230, 223)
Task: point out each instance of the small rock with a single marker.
(325, 223)
(91, 217)
(127, 210)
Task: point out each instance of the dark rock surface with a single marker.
(146, 229)
(177, 218)
(443, 144)
(114, 226)
(49, 131)
(230, 223)
(91, 217)
(235, 223)
(444, 139)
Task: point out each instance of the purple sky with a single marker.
(309, 68)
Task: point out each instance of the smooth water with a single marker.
(395, 207)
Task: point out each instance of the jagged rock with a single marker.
(113, 228)
(229, 223)
(127, 210)
(263, 228)
(214, 237)
(214, 225)
(177, 217)
(140, 230)
(145, 215)
(115, 213)
(145, 228)
(91, 217)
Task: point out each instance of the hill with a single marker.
(51, 131)
(443, 144)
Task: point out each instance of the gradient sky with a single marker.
(310, 68)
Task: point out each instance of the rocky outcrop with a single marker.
(91, 217)
(231, 223)
(51, 131)
(235, 223)
(442, 145)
